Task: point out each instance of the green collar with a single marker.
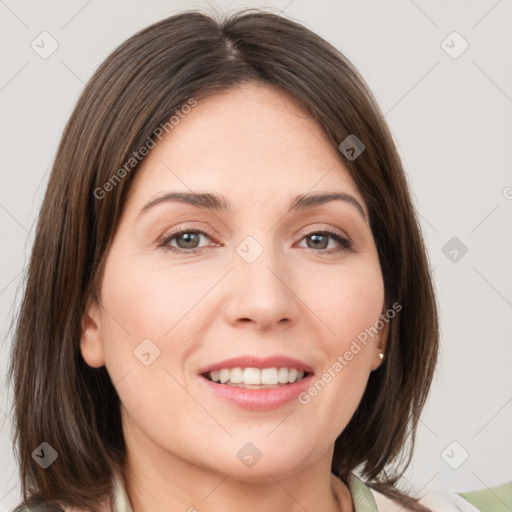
(361, 496)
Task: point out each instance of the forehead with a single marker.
(252, 140)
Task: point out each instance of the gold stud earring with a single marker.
(381, 355)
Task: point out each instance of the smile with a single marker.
(257, 383)
(256, 378)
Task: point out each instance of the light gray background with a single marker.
(451, 120)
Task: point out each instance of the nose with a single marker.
(262, 292)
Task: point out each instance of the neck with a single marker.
(169, 483)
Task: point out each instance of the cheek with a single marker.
(159, 303)
(144, 300)
(144, 306)
(348, 301)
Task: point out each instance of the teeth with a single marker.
(249, 377)
(252, 376)
(282, 375)
(269, 376)
(236, 375)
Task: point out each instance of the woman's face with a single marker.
(249, 277)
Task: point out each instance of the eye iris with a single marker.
(316, 237)
(189, 238)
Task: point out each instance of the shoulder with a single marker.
(39, 507)
(46, 506)
(445, 500)
(117, 501)
(437, 501)
(370, 499)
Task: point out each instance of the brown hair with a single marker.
(58, 398)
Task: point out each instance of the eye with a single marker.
(320, 240)
(187, 240)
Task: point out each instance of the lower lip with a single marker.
(264, 399)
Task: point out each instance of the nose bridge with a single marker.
(261, 290)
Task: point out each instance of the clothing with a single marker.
(497, 499)
(365, 500)
(368, 500)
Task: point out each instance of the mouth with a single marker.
(256, 378)
(257, 383)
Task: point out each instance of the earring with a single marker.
(381, 355)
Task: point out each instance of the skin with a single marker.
(257, 147)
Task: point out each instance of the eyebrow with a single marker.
(217, 202)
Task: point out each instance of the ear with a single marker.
(380, 343)
(91, 338)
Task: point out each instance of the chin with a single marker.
(250, 464)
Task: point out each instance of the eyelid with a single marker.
(182, 229)
(346, 243)
(302, 233)
(318, 229)
(163, 241)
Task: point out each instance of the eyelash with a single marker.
(345, 244)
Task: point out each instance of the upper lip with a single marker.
(248, 361)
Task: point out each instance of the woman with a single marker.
(228, 303)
